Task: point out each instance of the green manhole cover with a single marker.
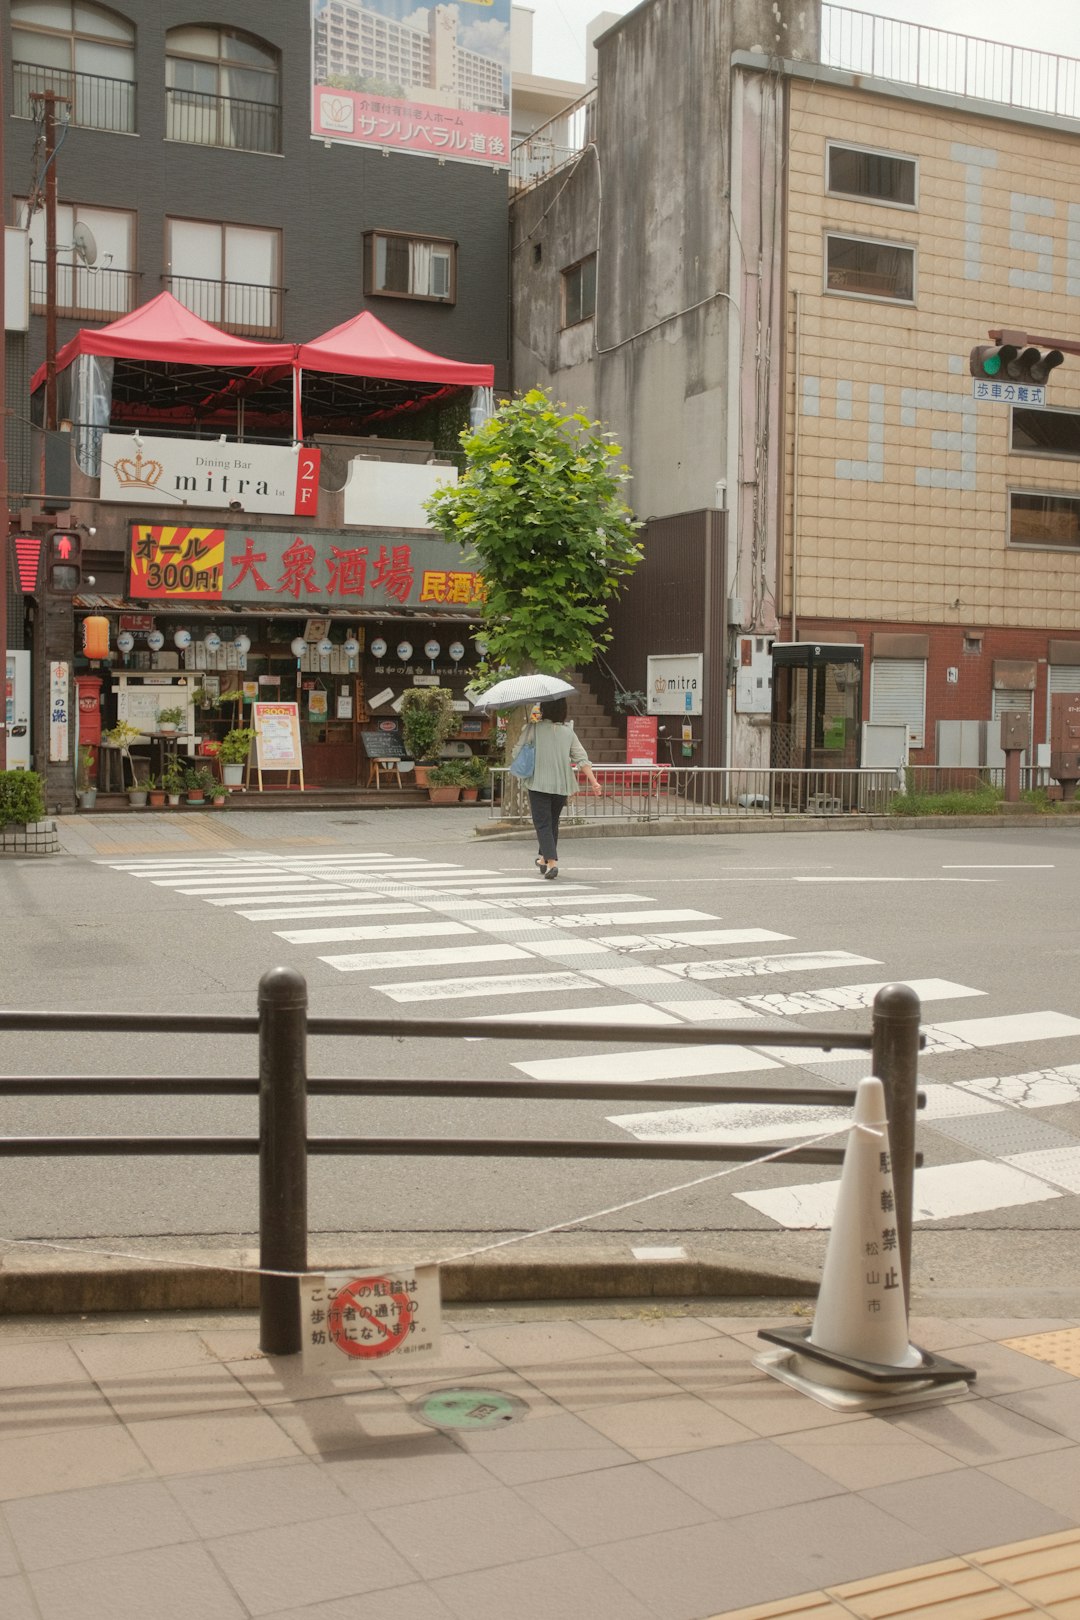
(468, 1409)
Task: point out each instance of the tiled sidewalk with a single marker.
(167, 1468)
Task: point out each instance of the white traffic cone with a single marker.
(860, 1324)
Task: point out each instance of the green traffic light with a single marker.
(991, 364)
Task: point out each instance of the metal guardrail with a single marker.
(95, 102)
(696, 792)
(675, 793)
(248, 308)
(85, 293)
(283, 1144)
(958, 64)
(554, 144)
(200, 119)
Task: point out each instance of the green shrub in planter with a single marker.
(236, 745)
(22, 798)
(449, 774)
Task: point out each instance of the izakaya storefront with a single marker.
(340, 622)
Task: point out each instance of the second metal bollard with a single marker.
(282, 1156)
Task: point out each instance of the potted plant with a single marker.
(155, 792)
(172, 780)
(86, 790)
(444, 782)
(169, 721)
(203, 699)
(474, 775)
(136, 795)
(428, 721)
(195, 785)
(233, 754)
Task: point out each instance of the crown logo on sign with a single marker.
(137, 471)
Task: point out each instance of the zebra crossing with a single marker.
(429, 932)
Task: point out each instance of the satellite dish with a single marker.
(82, 240)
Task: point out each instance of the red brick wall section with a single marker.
(971, 697)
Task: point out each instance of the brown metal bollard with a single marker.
(896, 1018)
(282, 1156)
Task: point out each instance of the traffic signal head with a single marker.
(1007, 362)
(65, 561)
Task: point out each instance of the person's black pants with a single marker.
(546, 808)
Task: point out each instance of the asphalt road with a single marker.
(778, 929)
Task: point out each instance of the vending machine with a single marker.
(17, 707)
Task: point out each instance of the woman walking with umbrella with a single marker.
(546, 757)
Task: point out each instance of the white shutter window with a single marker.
(1063, 678)
(898, 696)
(1013, 703)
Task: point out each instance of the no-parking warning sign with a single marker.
(354, 1321)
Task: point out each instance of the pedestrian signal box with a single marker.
(65, 561)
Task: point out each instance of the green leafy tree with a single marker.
(540, 505)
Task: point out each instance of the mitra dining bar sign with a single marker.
(204, 472)
(278, 567)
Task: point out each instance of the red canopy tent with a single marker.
(364, 347)
(165, 330)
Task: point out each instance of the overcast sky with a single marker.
(1049, 25)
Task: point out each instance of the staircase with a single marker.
(603, 738)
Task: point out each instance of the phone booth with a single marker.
(816, 723)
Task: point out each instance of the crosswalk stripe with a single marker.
(603, 919)
(510, 984)
(255, 897)
(853, 997)
(272, 887)
(663, 1063)
(434, 927)
(360, 962)
(708, 1012)
(1038, 1088)
(388, 908)
(328, 936)
(1003, 1031)
(942, 1192)
(742, 967)
(582, 896)
(698, 936)
(731, 1122)
(642, 1013)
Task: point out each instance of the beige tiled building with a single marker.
(793, 257)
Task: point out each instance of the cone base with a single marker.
(791, 1368)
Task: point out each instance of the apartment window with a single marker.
(222, 89)
(860, 171)
(898, 696)
(1043, 519)
(99, 290)
(397, 265)
(579, 291)
(1046, 433)
(84, 52)
(228, 274)
(863, 268)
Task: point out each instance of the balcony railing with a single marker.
(201, 119)
(957, 64)
(85, 294)
(554, 144)
(96, 102)
(250, 309)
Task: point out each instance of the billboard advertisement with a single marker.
(413, 77)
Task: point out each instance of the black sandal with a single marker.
(540, 862)
(551, 871)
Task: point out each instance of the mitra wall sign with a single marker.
(204, 472)
(278, 567)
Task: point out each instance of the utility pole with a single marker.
(48, 100)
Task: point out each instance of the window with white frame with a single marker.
(874, 176)
(400, 265)
(83, 52)
(861, 267)
(898, 696)
(228, 274)
(99, 280)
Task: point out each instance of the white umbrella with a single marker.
(522, 689)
